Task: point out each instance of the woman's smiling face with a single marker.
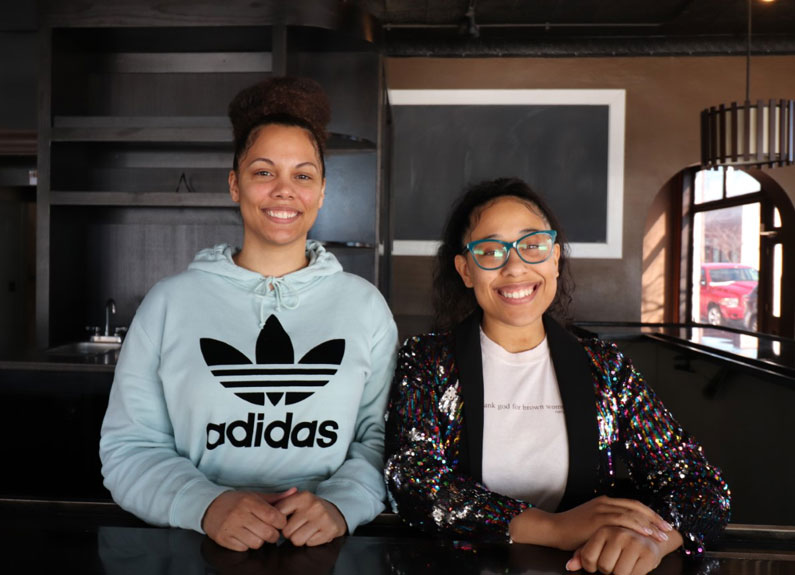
(514, 297)
(280, 187)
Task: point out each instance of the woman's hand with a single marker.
(622, 551)
(241, 520)
(570, 529)
(312, 520)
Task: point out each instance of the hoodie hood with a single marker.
(282, 292)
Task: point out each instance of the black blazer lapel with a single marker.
(575, 380)
(470, 373)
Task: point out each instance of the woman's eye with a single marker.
(263, 173)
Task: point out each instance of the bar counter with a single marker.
(762, 354)
(53, 537)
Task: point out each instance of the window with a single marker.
(735, 246)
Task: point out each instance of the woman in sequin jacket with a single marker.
(621, 439)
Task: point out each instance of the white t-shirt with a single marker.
(525, 444)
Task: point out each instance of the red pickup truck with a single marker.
(723, 290)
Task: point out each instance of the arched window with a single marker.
(728, 236)
(736, 251)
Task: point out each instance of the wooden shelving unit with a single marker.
(150, 199)
(135, 147)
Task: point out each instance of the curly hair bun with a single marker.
(299, 98)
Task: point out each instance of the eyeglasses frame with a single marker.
(508, 245)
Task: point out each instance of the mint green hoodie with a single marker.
(231, 380)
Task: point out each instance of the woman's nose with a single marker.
(514, 263)
(282, 189)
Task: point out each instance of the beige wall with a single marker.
(664, 99)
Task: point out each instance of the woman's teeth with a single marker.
(282, 214)
(518, 294)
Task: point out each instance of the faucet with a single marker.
(107, 336)
(110, 308)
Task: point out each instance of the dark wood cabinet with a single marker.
(51, 419)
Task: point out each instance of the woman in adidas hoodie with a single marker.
(249, 395)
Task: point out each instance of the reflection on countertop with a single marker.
(99, 537)
(157, 551)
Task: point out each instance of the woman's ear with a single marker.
(233, 189)
(462, 267)
(556, 259)
(322, 194)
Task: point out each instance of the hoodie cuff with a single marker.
(192, 501)
(356, 504)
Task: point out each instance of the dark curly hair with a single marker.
(284, 101)
(452, 300)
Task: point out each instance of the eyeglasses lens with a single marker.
(533, 249)
(490, 255)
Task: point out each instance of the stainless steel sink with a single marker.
(86, 352)
(84, 348)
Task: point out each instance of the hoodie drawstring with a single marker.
(286, 298)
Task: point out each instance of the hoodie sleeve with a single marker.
(357, 487)
(140, 463)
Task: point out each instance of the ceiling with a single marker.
(583, 27)
(513, 27)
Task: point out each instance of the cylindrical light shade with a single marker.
(748, 134)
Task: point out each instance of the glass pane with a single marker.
(725, 266)
(739, 183)
(776, 218)
(708, 186)
(778, 258)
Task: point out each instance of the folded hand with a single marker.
(242, 520)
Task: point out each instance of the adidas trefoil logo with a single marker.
(275, 374)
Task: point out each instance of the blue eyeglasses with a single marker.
(534, 248)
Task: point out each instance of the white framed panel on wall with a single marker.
(567, 144)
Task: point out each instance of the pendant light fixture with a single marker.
(751, 134)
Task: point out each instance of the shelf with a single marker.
(342, 143)
(18, 171)
(88, 123)
(170, 199)
(151, 26)
(186, 129)
(18, 177)
(137, 134)
(151, 199)
(346, 245)
(105, 38)
(19, 143)
(175, 129)
(181, 62)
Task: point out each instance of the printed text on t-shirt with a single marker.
(522, 407)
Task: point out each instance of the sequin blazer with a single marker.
(616, 426)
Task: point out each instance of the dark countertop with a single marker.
(50, 364)
(55, 360)
(44, 537)
(764, 354)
